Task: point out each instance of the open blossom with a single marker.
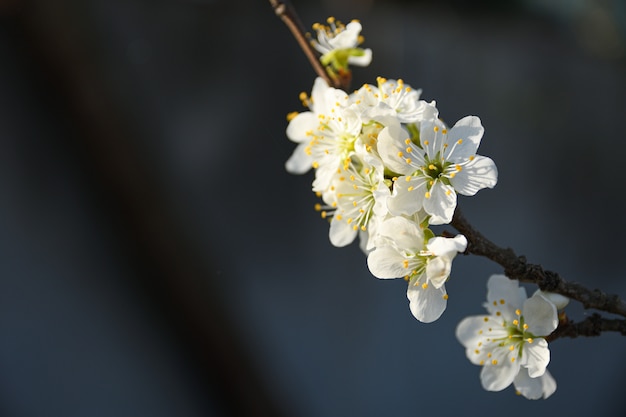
(338, 44)
(435, 167)
(509, 342)
(403, 250)
(305, 126)
(356, 200)
(393, 97)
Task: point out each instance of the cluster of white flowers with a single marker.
(387, 168)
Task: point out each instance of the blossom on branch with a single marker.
(435, 166)
(406, 250)
(509, 342)
(338, 44)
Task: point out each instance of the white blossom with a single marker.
(339, 45)
(355, 200)
(393, 97)
(405, 250)
(304, 126)
(509, 342)
(435, 167)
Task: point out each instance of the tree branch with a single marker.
(288, 15)
(516, 267)
(593, 325)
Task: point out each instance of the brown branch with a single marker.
(288, 15)
(593, 325)
(516, 267)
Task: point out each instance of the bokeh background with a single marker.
(157, 260)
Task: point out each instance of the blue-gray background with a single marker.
(110, 294)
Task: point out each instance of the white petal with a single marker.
(405, 202)
(381, 194)
(386, 262)
(447, 246)
(299, 162)
(559, 301)
(471, 329)
(469, 130)
(322, 97)
(426, 304)
(431, 137)
(348, 38)
(535, 357)
(504, 295)
(404, 233)
(441, 203)
(498, 377)
(540, 315)
(324, 176)
(534, 388)
(361, 60)
(477, 174)
(341, 233)
(301, 124)
(390, 143)
(438, 270)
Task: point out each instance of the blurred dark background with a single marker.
(157, 260)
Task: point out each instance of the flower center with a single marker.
(518, 334)
(433, 169)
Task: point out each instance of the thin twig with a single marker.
(593, 325)
(288, 15)
(516, 267)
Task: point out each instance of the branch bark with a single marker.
(288, 15)
(516, 267)
(593, 325)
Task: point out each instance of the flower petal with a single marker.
(536, 357)
(426, 304)
(534, 388)
(404, 234)
(498, 377)
(341, 233)
(386, 262)
(391, 144)
(407, 196)
(444, 245)
(504, 295)
(479, 173)
(300, 127)
(471, 329)
(464, 138)
(438, 270)
(361, 60)
(299, 162)
(440, 204)
(540, 315)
